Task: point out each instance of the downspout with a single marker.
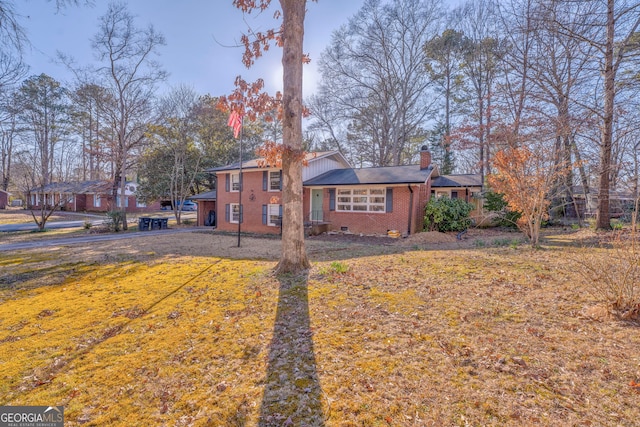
(410, 209)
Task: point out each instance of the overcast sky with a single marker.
(200, 35)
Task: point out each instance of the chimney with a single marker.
(425, 157)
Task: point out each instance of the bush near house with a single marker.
(444, 214)
(496, 204)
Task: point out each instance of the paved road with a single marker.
(68, 241)
(50, 225)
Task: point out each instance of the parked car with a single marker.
(188, 206)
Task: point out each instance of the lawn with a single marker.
(193, 331)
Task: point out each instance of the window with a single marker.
(119, 202)
(273, 215)
(274, 181)
(234, 216)
(361, 199)
(96, 200)
(235, 182)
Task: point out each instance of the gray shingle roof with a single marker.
(470, 180)
(382, 175)
(97, 186)
(209, 195)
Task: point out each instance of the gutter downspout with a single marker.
(410, 209)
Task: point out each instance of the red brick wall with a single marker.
(253, 198)
(380, 223)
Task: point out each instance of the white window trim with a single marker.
(231, 219)
(270, 214)
(369, 205)
(269, 188)
(233, 182)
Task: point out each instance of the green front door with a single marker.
(316, 205)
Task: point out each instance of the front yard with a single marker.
(194, 331)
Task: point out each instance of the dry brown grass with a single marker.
(147, 333)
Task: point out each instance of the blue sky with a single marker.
(198, 33)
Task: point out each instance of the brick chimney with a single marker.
(425, 157)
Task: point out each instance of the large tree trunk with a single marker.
(294, 255)
(602, 214)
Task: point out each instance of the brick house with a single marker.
(336, 197)
(259, 206)
(86, 196)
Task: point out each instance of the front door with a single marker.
(316, 205)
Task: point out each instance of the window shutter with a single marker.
(240, 180)
(280, 212)
(332, 199)
(389, 208)
(241, 215)
(265, 180)
(281, 179)
(264, 214)
(226, 182)
(227, 209)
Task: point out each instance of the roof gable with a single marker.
(259, 162)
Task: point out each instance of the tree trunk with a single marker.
(294, 255)
(603, 214)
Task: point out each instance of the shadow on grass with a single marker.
(292, 395)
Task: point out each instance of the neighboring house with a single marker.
(86, 196)
(336, 196)
(4, 199)
(621, 201)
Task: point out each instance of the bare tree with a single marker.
(9, 130)
(89, 120)
(612, 33)
(374, 76)
(483, 52)
(43, 103)
(444, 63)
(130, 76)
(174, 140)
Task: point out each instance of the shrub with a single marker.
(614, 276)
(495, 202)
(445, 214)
(114, 220)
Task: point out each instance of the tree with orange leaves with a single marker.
(248, 100)
(525, 175)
